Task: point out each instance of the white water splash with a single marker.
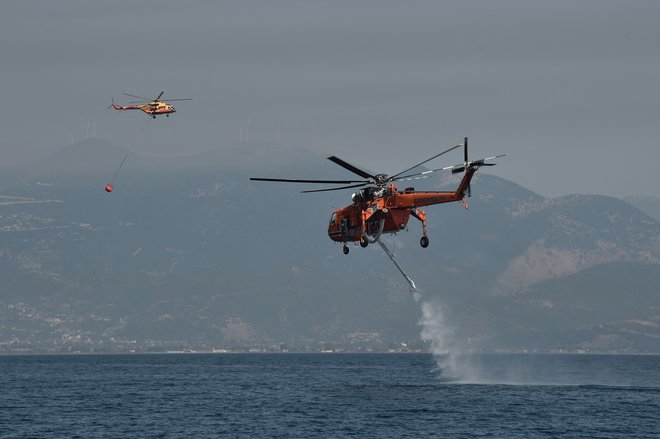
(458, 364)
(453, 361)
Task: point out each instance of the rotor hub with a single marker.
(381, 179)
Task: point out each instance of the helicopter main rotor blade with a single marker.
(411, 177)
(288, 180)
(156, 101)
(427, 160)
(350, 167)
(139, 97)
(455, 169)
(161, 94)
(481, 162)
(424, 174)
(336, 188)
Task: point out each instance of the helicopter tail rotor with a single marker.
(476, 164)
(468, 165)
(115, 106)
(465, 145)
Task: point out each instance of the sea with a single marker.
(330, 395)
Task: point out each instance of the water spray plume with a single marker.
(454, 363)
(436, 331)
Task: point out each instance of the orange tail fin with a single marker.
(115, 106)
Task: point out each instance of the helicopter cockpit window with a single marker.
(333, 219)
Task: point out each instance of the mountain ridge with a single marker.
(190, 253)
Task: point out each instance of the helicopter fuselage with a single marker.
(157, 108)
(152, 109)
(376, 211)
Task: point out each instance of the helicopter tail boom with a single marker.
(463, 188)
(115, 106)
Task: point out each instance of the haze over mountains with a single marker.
(187, 253)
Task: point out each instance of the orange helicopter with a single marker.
(153, 107)
(381, 208)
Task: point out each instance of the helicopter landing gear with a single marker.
(364, 242)
(345, 249)
(154, 116)
(421, 215)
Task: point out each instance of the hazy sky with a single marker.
(568, 89)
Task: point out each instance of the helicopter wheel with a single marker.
(424, 241)
(363, 242)
(154, 116)
(345, 249)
